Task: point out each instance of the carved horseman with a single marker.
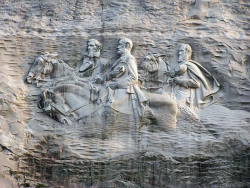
(92, 67)
(124, 93)
(77, 96)
(93, 64)
(194, 85)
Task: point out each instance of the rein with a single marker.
(68, 113)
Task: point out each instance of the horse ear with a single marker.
(54, 55)
(54, 61)
(153, 66)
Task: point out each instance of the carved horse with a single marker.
(48, 64)
(156, 83)
(70, 101)
(70, 97)
(153, 75)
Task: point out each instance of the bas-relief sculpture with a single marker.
(93, 65)
(96, 85)
(78, 139)
(47, 64)
(192, 80)
(194, 86)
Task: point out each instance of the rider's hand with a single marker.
(113, 86)
(172, 74)
(98, 79)
(167, 73)
(110, 75)
(177, 80)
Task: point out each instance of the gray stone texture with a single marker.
(212, 151)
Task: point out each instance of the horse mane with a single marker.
(65, 65)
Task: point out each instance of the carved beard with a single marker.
(183, 57)
(94, 53)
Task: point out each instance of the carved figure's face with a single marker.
(183, 55)
(121, 48)
(93, 50)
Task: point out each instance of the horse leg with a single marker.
(63, 120)
(54, 106)
(165, 110)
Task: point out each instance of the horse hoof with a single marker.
(66, 121)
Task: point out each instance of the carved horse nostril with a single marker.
(47, 108)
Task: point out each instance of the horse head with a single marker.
(47, 99)
(54, 106)
(44, 102)
(42, 66)
(148, 66)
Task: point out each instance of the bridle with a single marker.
(38, 72)
(69, 112)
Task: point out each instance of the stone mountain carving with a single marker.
(68, 102)
(154, 83)
(93, 65)
(48, 64)
(150, 94)
(124, 92)
(153, 73)
(193, 86)
(38, 151)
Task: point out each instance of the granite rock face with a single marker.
(211, 151)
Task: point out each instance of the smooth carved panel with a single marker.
(96, 85)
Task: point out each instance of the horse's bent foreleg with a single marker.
(165, 110)
(63, 119)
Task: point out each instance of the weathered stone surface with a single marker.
(212, 151)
